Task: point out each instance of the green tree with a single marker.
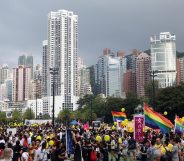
(86, 100)
(149, 91)
(102, 107)
(99, 106)
(16, 116)
(111, 104)
(171, 99)
(46, 116)
(65, 116)
(28, 114)
(130, 103)
(85, 115)
(2, 117)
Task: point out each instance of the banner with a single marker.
(69, 142)
(13, 131)
(30, 122)
(139, 127)
(8, 114)
(96, 124)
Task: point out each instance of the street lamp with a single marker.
(91, 111)
(153, 75)
(31, 105)
(53, 71)
(139, 109)
(91, 99)
(36, 95)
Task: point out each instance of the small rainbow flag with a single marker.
(156, 121)
(179, 126)
(118, 115)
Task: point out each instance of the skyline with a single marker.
(112, 25)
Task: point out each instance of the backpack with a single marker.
(93, 156)
(167, 156)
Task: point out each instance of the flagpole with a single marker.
(66, 139)
(175, 124)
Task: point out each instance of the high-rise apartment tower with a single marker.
(62, 55)
(163, 58)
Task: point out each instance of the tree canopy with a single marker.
(149, 91)
(29, 114)
(65, 116)
(46, 116)
(102, 107)
(16, 116)
(2, 117)
(171, 99)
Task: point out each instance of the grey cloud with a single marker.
(117, 24)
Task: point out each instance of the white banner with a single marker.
(12, 130)
(30, 122)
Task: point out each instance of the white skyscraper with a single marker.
(109, 72)
(62, 54)
(44, 68)
(163, 58)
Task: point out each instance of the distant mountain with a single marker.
(178, 54)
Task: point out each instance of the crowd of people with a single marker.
(45, 143)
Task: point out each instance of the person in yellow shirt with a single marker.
(170, 146)
(159, 146)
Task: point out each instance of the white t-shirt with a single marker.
(41, 155)
(113, 144)
(37, 154)
(29, 140)
(2, 141)
(25, 156)
(13, 143)
(21, 141)
(60, 135)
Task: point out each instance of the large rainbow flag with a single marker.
(156, 121)
(118, 115)
(179, 126)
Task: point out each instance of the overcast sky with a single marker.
(116, 24)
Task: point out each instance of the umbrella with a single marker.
(74, 122)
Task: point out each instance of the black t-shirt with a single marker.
(77, 153)
(144, 150)
(53, 155)
(60, 152)
(16, 152)
(86, 151)
(104, 152)
(131, 144)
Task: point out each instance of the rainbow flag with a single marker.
(156, 121)
(118, 115)
(179, 126)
